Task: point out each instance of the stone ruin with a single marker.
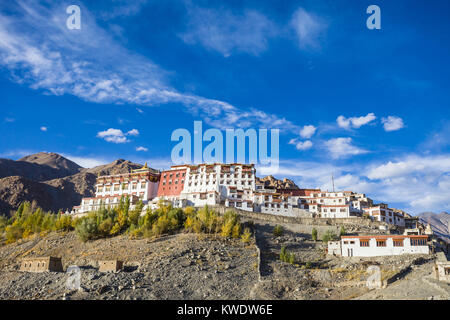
(110, 265)
(41, 264)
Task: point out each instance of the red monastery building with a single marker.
(172, 181)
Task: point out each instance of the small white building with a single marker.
(379, 245)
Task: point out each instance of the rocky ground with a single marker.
(183, 266)
(188, 266)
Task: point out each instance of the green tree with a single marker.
(278, 231)
(328, 236)
(314, 234)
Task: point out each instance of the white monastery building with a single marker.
(232, 185)
(379, 245)
(138, 185)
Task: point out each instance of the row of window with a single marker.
(397, 243)
(125, 186)
(170, 182)
(177, 175)
(334, 210)
(30, 264)
(242, 176)
(211, 182)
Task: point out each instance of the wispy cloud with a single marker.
(309, 28)
(227, 32)
(122, 8)
(44, 129)
(40, 51)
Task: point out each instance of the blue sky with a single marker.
(370, 106)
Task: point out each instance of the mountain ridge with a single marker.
(53, 181)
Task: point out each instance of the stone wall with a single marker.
(301, 220)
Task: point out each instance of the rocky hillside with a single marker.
(187, 266)
(53, 181)
(271, 181)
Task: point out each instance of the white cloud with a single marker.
(304, 145)
(355, 122)
(227, 32)
(307, 131)
(392, 123)
(429, 165)
(141, 149)
(422, 182)
(308, 28)
(133, 132)
(44, 129)
(116, 135)
(342, 148)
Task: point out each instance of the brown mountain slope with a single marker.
(53, 160)
(39, 167)
(15, 190)
(54, 182)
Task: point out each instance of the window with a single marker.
(364, 243)
(418, 242)
(398, 243)
(447, 271)
(381, 243)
